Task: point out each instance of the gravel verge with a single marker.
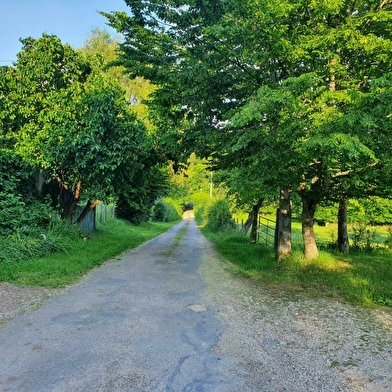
(15, 300)
(297, 343)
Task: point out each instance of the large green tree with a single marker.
(149, 176)
(72, 123)
(101, 49)
(276, 88)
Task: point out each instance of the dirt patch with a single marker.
(17, 299)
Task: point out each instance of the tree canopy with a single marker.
(280, 90)
(71, 122)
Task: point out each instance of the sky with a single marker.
(70, 20)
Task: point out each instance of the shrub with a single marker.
(29, 242)
(201, 204)
(219, 216)
(19, 205)
(362, 236)
(164, 212)
(201, 215)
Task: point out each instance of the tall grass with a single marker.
(27, 242)
(84, 253)
(363, 277)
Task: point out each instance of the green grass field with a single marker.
(326, 235)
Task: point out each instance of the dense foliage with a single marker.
(67, 131)
(276, 94)
(19, 202)
(219, 216)
(164, 211)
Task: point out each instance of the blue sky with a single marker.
(70, 20)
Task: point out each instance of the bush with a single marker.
(19, 204)
(132, 211)
(201, 204)
(164, 212)
(219, 216)
(29, 242)
(201, 215)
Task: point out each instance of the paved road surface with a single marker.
(139, 323)
(167, 317)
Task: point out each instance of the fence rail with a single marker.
(266, 231)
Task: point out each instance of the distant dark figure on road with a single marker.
(188, 206)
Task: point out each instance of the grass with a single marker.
(328, 234)
(176, 242)
(363, 277)
(179, 236)
(61, 269)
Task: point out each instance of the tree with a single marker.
(73, 124)
(150, 182)
(102, 51)
(273, 88)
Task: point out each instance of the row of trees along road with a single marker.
(288, 94)
(67, 118)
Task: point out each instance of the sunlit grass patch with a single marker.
(327, 262)
(360, 277)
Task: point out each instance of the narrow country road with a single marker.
(170, 316)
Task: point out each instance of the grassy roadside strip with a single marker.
(360, 278)
(61, 269)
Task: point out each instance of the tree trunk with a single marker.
(255, 215)
(309, 207)
(343, 244)
(39, 181)
(68, 199)
(89, 206)
(248, 223)
(284, 224)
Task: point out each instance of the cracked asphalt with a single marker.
(172, 316)
(139, 323)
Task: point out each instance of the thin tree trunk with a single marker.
(309, 207)
(343, 242)
(248, 223)
(69, 199)
(284, 224)
(250, 220)
(255, 215)
(89, 206)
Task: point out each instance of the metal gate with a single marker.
(266, 232)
